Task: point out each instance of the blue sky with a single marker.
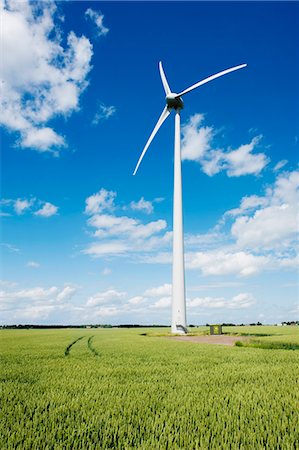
(83, 241)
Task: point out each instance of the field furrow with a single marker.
(68, 348)
(90, 346)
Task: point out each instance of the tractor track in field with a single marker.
(68, 348)
(91, 348)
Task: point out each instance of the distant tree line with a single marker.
(227, 324)
(41, 327)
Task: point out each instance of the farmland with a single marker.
(117, 389)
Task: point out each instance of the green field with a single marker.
(117, 389)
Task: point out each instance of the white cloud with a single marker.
(142, 205)
(197, 139)
(162, 303)
(35, 304)
(110, 296)
(40, 303)
(120, 234)
(197, 143)
(108, 225)
(33, 264)
(106, 311)
(243, 162)
(243, 300)
(47, 210)
(261, 236)
(52, 77)
(158, 199)
(42, 139)
(10, 247)
(97, 250)
(280, 165)
(159, 291)
(215, 285)
(104, 112)
(292, 262)
(274, 222)
(267, 227)
(37, 293)
(247, 204)
(164, 292)
(236, 162)
(211, 239)
(106, 271)
(112, 303)
(127, 245)
(137, 300)
(158, 258)
(66, 294)
(286, 189)
(240, 301)
(100, 201)
(98, 18)
(226, 262)
(21, 205)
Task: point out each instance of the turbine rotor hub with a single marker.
(173, 101)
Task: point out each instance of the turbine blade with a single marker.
(164, 115)
(212, 77)
(164, 80)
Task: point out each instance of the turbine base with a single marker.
(179, 329)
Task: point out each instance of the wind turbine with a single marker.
(174, 101)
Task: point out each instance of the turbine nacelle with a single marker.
(173, 101)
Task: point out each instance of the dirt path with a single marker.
(221, 339)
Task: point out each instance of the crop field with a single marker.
(121, 389)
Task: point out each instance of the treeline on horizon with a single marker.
(224, 324)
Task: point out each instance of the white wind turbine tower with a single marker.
(174, 101)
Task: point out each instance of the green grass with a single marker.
(279, 345)
(116, 389)
(269, 338)
(264, 330)
(200, 331)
